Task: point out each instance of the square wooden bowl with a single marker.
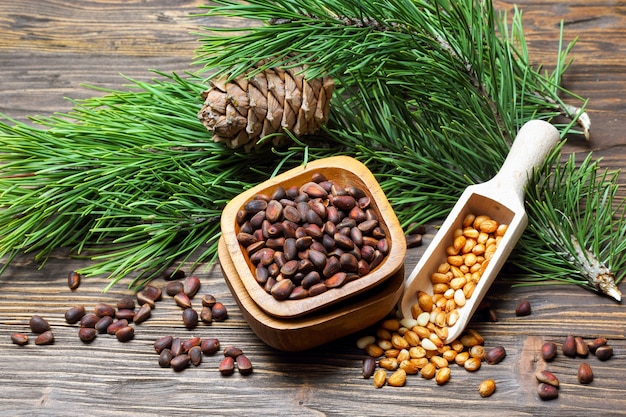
(302, 333)
(344, 171)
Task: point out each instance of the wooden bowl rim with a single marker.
(351, 170)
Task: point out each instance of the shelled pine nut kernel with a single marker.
(455, 279)
(417, 350)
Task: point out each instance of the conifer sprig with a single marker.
(429, 96)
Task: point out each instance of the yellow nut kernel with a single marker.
(399, 342)
(439, 361)
(461, 358)
(392, 353)
(443, 376)
(412, 338)
(487, 387)
(391, 324)
(428, 371)
(383, 334)
(455, 260)
(397, 379)
(390, 364)
(468, 220)
(403, 355)
(380, 378)
(374, 350)
(410, 367)
(417, 352)
(384, 344)
(480, 219)
(472, 364)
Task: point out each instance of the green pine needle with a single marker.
(429, 94)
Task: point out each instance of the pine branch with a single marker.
(429, 95)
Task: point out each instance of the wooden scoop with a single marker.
(502, 199)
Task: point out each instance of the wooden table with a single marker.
(49, 48)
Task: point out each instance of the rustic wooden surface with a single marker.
(49, 48)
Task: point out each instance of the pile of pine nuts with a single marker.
(417, 344)
(455, 280)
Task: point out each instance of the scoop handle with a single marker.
(534, 141)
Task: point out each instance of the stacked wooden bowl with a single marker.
(304, 323)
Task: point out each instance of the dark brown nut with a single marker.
(153, 293)
(103, 324)
(220, 313)
(125, 334)
(182, 300)
(585, 374)
(318, 289)
(344, 202)
(174, 287)
(273, 211)
(246, 239)
(547, 392)
(177, 346)
(369, 366)
(165, 357)
(313, 190)
(208, 300)
(195, 355)
(142, 299)
(349, 262)
(569, 346)
(244, 366)
(336, 280)
(299, 293)
(495, 355)
(548, 351)
(227, 366)
(255, 206)
(413, 240)
(126, 302)
(282, 289)
(89, 320)
(191, 342)
(172, 274)
(143, 314)
(604, 352)
(547, 377)
(190, 318)
(74, 314)
(87, 334)
(210, 346)
(180, 362)
(582, 350)
(206, 315)
(104, 309)
(38, 324)
(232, 351)
(117, 325)
(523, 308)
(45, 338)
(191, 286)
(596, 343)
(73, 280)
(19, 339)
(126, 313)
(162, 343)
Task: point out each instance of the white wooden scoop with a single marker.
(501, 198)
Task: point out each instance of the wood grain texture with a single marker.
(49, 48)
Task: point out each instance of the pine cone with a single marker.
(243, 111)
